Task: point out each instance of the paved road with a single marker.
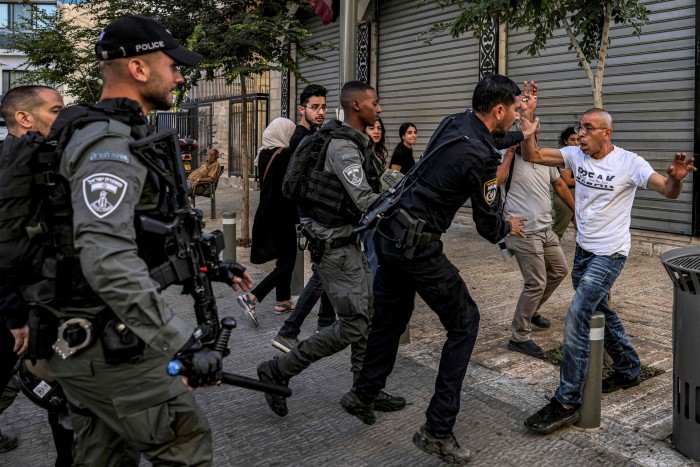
(500, 390)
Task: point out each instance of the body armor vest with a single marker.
(328, 203)
(62, 281)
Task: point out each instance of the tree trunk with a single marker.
(245, 170)
(602, 55)
(595, 80)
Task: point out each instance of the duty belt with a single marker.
(334, 243)
(317, 246)
(407, 232)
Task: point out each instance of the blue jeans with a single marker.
(592, 276)
(308, 298)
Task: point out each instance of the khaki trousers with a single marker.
(543, 266)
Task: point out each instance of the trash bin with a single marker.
(683, 265)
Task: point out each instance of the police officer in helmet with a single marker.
(113, 371)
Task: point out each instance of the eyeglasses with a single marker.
(316, 107)
(585, 128)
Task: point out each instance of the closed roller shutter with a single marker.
(325, 72)
(648, 88)
(417, 82)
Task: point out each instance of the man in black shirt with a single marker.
(312, 111)
(459, 163)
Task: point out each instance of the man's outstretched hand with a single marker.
(681, 166)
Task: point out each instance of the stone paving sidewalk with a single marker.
(501, 388)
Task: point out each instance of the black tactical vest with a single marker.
(63, 282)
(321, 207)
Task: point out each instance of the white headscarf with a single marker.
(276, 135)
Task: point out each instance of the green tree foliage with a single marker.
(60, 50)
(238, 39)
(586, 23)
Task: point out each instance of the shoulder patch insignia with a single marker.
(350, 155)
(490, 190)
(353, 174)
(103, 193)
(110, 156)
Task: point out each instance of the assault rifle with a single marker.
(189, 256)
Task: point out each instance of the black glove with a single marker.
(202, 364)
(226, 271)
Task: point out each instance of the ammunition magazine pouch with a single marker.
(325, 189)
(325, 197)
(119, 343)
(406, 231)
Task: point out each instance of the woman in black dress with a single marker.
(274, 231)
(402, 158)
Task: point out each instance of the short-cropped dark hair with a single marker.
(494, 89)
(351, 91)
(310, 91)
(24, 98)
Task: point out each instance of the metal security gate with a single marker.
(417, 82)
(325, 72)
(181, 120)
(258, 109)
(194, 122)
(649, 88)
(204, 123)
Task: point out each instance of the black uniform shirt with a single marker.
(459, 171)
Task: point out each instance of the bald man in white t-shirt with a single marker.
(607, 178)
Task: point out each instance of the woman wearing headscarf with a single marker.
(274, 234)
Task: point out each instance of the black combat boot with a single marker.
(353, 405)
(385, 402)
(445, 446)
(269, 373)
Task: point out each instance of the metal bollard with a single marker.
(213, 206)
(590, 404)
(297, 284)
(229, 235)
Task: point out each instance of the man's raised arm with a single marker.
(531, 152)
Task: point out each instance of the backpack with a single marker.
(306, 180)
(35, 204)
(28, 168)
